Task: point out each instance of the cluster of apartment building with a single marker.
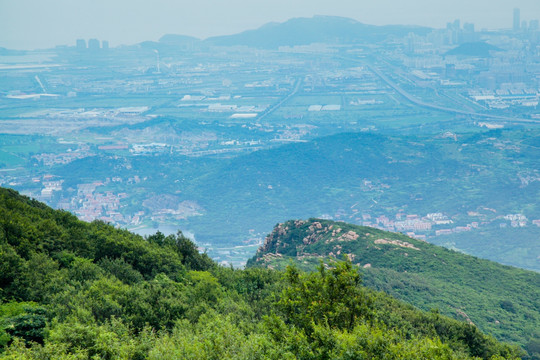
(50, 159)
(438, 224)
(92, 204)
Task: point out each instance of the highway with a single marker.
(418, 102)
(276, 106)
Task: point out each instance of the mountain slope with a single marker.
(104, 293)
(501, 300)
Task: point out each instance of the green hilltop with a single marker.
(478, 49)
(76, 290)
(501, 300)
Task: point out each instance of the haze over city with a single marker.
(270, 179)
(30, 24)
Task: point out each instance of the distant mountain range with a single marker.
(299, 31)
(500, 300)
(318, 29)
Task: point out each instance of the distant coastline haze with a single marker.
(31, 24)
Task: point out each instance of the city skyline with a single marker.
(61, 22)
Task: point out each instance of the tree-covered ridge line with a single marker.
(500, 300)
(75, 290)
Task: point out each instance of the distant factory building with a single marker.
(331, 108)
(517, 22)
(468, 34)
(81, 44)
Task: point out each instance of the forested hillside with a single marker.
(74, 290)
(500, 300)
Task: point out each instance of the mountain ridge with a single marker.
(305, 30)
(500, 299)
(317, 29)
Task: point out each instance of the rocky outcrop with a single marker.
(396, 242)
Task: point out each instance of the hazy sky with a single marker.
(28, 24)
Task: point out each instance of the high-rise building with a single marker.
(93, 44)
(468, 34)
(104, 44)
(81, 44)
(517, 19)
(411, 43)
(533, 25)
(468, 27)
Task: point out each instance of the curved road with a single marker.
(416, 101)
